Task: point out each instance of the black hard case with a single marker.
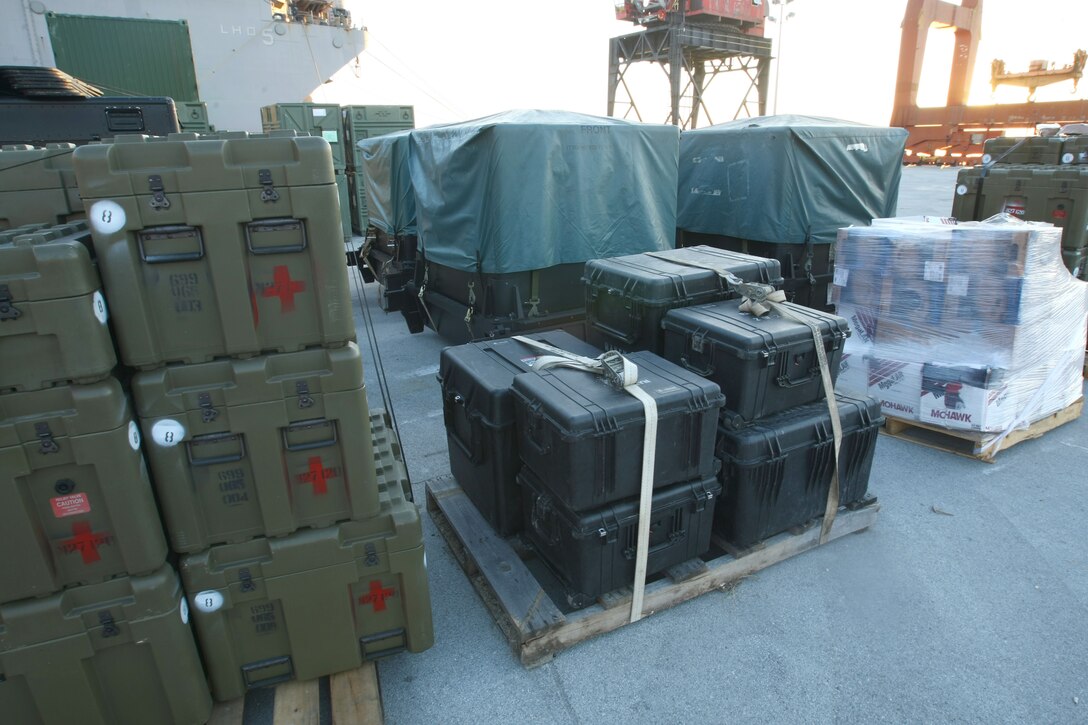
(627, 297)
(83, 120)
(763, 364)
(583, 438)
(478, 408)
(594, 552)
(776, 473)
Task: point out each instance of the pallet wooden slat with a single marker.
(298, 702)
(973, 444)
(535, 646)
(228, 713)
(356, 697)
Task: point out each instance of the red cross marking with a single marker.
(85, 541)
(318, 475)
(283, 287)
(377, 595)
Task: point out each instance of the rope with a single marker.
(759, 300)
(623, 374)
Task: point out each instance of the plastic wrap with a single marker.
(973, 326)
(390, 201)
(527, 190)
(787, 179)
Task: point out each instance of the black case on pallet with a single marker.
(627, 297)
(452, 321)
(478, 408)
(83, 120)
(583, 438)
(776, 473)
(763, 364)
(807, 269)
(556, 289)
(593, 552)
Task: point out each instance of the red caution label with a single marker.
(283, 287)
(318, 475)
(377, 595)
(71, 505)
(86, 542)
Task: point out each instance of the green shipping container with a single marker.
(258, 447)
(76, 505)
(116, 653)
(38, 186)
(966, 195)
(1054, 194)
(193, 116)
(271, 610)
(212, 247)
(1033, 150)
(52, 313)
(363, 122)
(315, 119)
(344, 194)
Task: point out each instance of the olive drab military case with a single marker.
(258, 447)
(217, 246)
(53, 322)
(315, 602)
(626, 297)
(343, 195)
(193, 116)
(1029, 150)
(116, 653)
(315, 119)
(76, 504)
(363, 122)
(37, 185)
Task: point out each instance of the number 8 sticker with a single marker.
(208, 601)
(106, 217)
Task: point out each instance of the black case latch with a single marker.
(268, 190)
(8, 311)
(158, 192)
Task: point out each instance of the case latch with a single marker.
(268, 191)
(46, 444)
(8, 311)
(158, 192)
(303, 392)
(697, 341)
(208, 413)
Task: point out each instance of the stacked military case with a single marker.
(88, 605)
(782, 186)
(37, 185)
(222, 258)
(391, 251)
(193, 116)
(974, 326)
(505, 253)
(1042, 179)
(326, 121)
(362, 123)
(552, 454)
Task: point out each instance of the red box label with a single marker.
(70, 505)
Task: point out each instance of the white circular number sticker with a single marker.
(98, 303)
(106, 217)
(168, 433)
(208, 601)
(1067, 158)
(986, 158)
(183, 610)
(961, 189)
(133, 435)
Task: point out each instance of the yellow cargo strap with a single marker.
(758, 300)
(622, 374)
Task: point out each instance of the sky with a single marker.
(460, 60)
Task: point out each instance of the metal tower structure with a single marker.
(693, 46)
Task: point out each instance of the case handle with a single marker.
(306, 425)
(472, 448)
(625, 337)
(705, 371)
(212, 438)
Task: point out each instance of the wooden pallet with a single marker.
(534, 624)
(346, 698)
(973, 444)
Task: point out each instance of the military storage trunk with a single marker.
(271, 610)
(763, 364)
(593, 552)
(193, 116)
(37, 185)
(478, 407)
(776, 473)
(116, 653)
(583, 439)
(363, 122)
(84, 120)
(1030, 150)
(217, 247)
(315, 119)
(75, 502)
(343, 195)
(52, 312)
(627, 297)
(258, 447)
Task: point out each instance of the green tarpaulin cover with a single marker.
(787, 179)
(525, 190)
(390, 201)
